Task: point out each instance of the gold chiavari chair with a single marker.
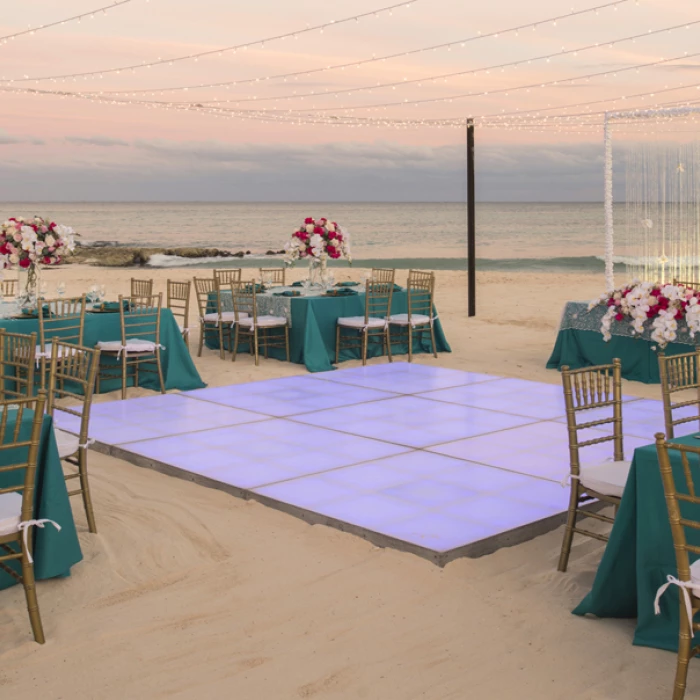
(254, 329)
(73, 380)
(213, 319)
(178, 301)
(141, 288)
(420, 316)
(584, 390)
(227, 276)
(8, 289)
(139, 347)
(373, 326)
(683, 503)
(679, 373)
(690, 285)
(59, 318)
(17, 365)
(20, 435)
(276, 275)
(383, 276)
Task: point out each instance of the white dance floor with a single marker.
(438, 462)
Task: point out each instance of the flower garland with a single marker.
(641, 302)
(316, 238)
(29, 242)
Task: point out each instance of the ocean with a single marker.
(510, 236)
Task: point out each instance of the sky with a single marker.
(74, 143)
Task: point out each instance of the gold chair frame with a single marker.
(141, 322)
(586, 389)
(73, 379)
(141, 287)
(692, 285)
(679, 373)
(17, 363)
(278, 274)
(12, 546)
(204, 287)
(65, 321)
(378, 297)
(245, 303)
(178, 301)
(421, 297)
(383, 275)
(678, 524)
(228, 275)
(8, 289)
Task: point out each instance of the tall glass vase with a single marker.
(28, 286)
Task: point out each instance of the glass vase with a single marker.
(28, 286)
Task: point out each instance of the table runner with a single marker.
(639, 555)
(54, 552)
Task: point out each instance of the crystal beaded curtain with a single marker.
(662, 231)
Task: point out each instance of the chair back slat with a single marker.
(679, 373)
(72, 379)
(208, 292)
(141, 287)
(587, 389)
(62, 318)
(230, 274)
(17, 364)
(276, 275)
(383, 275)
(142, 319)
(8, 289)
(178, 300)
(245, 300)
(421, 291)
(378, 299)
(20, 434)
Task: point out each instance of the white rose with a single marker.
(14, 258)
(310, 228)
(330, 227)
(50, 241)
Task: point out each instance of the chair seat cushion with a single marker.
(10, 512)
(359, 322)
(68, 444)
(224, 316)
(402, 319)
(133, 345)
(608, 478)
(264, 321)
(48, 347)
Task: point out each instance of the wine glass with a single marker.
(61, 289)
(103, 292)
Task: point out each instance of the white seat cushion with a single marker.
(46, 352)
(133, 345)
(68, 444)
(359, 322)
(264, 321)
(402, 319)
(608, 478)
(10, 512)
(225, 316)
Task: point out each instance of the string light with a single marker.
(212, 52)
(74, 18)
(373, 59)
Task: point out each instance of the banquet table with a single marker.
(54, 552)
(580, 344)
(179, 370)
(312, 320)
(640, 555)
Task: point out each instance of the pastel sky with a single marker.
(65, 148)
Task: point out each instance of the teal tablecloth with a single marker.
(580, 344)
(54, 552)
(639, 555)
(312, 332)
(179, 370)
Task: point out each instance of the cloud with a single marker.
(96, 141)
(8, 139)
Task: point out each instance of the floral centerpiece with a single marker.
(646, 304)
(317, 240)
(28, 243)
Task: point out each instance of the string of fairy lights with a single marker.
(91, 14)
(583, 117)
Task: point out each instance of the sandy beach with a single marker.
(187, 592)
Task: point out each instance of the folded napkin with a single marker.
(34, 312)
(342, 292)
(297, 284)
(113, 306)
(346, 284)
(287, 293)
(258, 288)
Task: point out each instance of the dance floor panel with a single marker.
(438, 462)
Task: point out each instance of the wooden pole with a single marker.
(471, 221)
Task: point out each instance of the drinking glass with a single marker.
(103, 292)
(61, 289)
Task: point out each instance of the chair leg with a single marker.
(201, 339)
(30, 592)
(85, 489)
(685, 642)
(256, 346)
(234, 348)
(365, 339)
(222, 351)
(266, 340)
(570, 525)
(337, 344)
(286, 343)
(159, 366)
(125, 369)
(388, 344)
(410, 343)
(432, 340)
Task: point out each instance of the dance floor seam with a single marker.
(432, 461)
